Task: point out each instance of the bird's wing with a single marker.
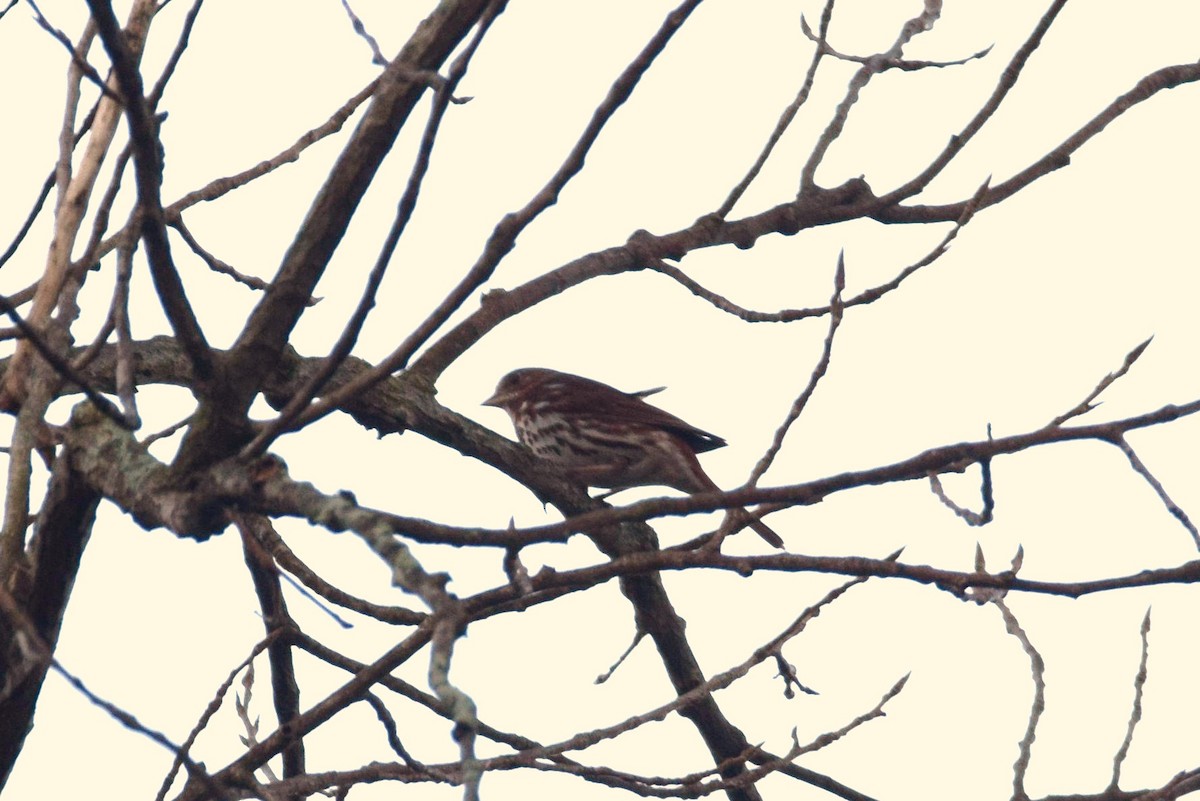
(611, 404)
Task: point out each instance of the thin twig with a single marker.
(181, 45)
(166, 432)
(389, 728)
(973, 518)
(312, 582)
(38, 204)
(84, 67)
(407, 691)
(213, 707)
(218, 266)
(984, 515)
(768, 458)
(1087, 404)
(241, 704)
(1135, 713)
(377, 56)
(1140, 468)
(1038, 670)
(104, 212)
(818, 372)
(717, 300)
(889, 210)
(875, 712)
(824, 47)
(96, 346)
(608, 674)
(221, 186)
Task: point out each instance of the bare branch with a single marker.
(40, 201)
(241, 704)
(222, 186)
(181, 45)
(608, 674)
(393, 736)
(289, 561)
(940, 459)
(1140, 468)
(1087, 404)
(285, 687)
(77, 58)
(908, 65)
(1038, 671)
(1147, 87)
(875, 712)
(984, 515)
(1135, 712)
(218, 266)
(818, 372)
(377, 56)
(100, 219)
(30, 218)
(717, 300)
(264, 335)
(213, 707)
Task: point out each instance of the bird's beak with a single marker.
(498, 399)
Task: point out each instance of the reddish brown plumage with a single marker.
(603, 437)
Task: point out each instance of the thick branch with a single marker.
(60, 535)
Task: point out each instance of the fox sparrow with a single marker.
(603, 437)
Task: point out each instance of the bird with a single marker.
(600, 436)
